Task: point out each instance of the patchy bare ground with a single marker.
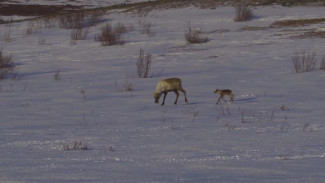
(311, 34)
(294, 29)
(297, 23)
(8, 9)
(34, 10)
(211, 4)
(142, 8)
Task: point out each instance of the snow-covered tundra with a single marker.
(63, 93)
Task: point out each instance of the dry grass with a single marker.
(304, 62)
(83, 93)
(80, 19)
(57, 76)
(78, 34)
(243, 12)
(6, 36)
(31, 28)
(6, 65)
(120, 28)
(127, 86)
(47, 22)
(194, 36)
(322, 64)
(145, 28)
(110, 35)
(78, 145)
(94, 17)
(195, 114)
(41, 41)
(72, 20)
(143, 64)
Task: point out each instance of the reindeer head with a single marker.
(156, 96)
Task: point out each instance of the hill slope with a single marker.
(272, 132)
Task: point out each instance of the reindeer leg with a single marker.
(218, 99)
(165, 95)
(177, 94)
(223, 98)
(183, 91)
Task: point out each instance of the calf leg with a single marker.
(232, 98)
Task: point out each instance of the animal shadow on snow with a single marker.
(245, 98)
(194, 103)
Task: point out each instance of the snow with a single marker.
(272, 132)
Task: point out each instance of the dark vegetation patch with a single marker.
(311, 34)
(206, 4)
(307, 33)
(162, 4)
(296, 23)
(254, 28)
(285, 2)
(41, 10)
(34, 10)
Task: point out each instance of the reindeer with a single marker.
(169, 85)
(222, 93)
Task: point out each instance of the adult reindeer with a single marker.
(169, 85)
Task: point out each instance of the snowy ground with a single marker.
(272, 132)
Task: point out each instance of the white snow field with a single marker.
(274, 131)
